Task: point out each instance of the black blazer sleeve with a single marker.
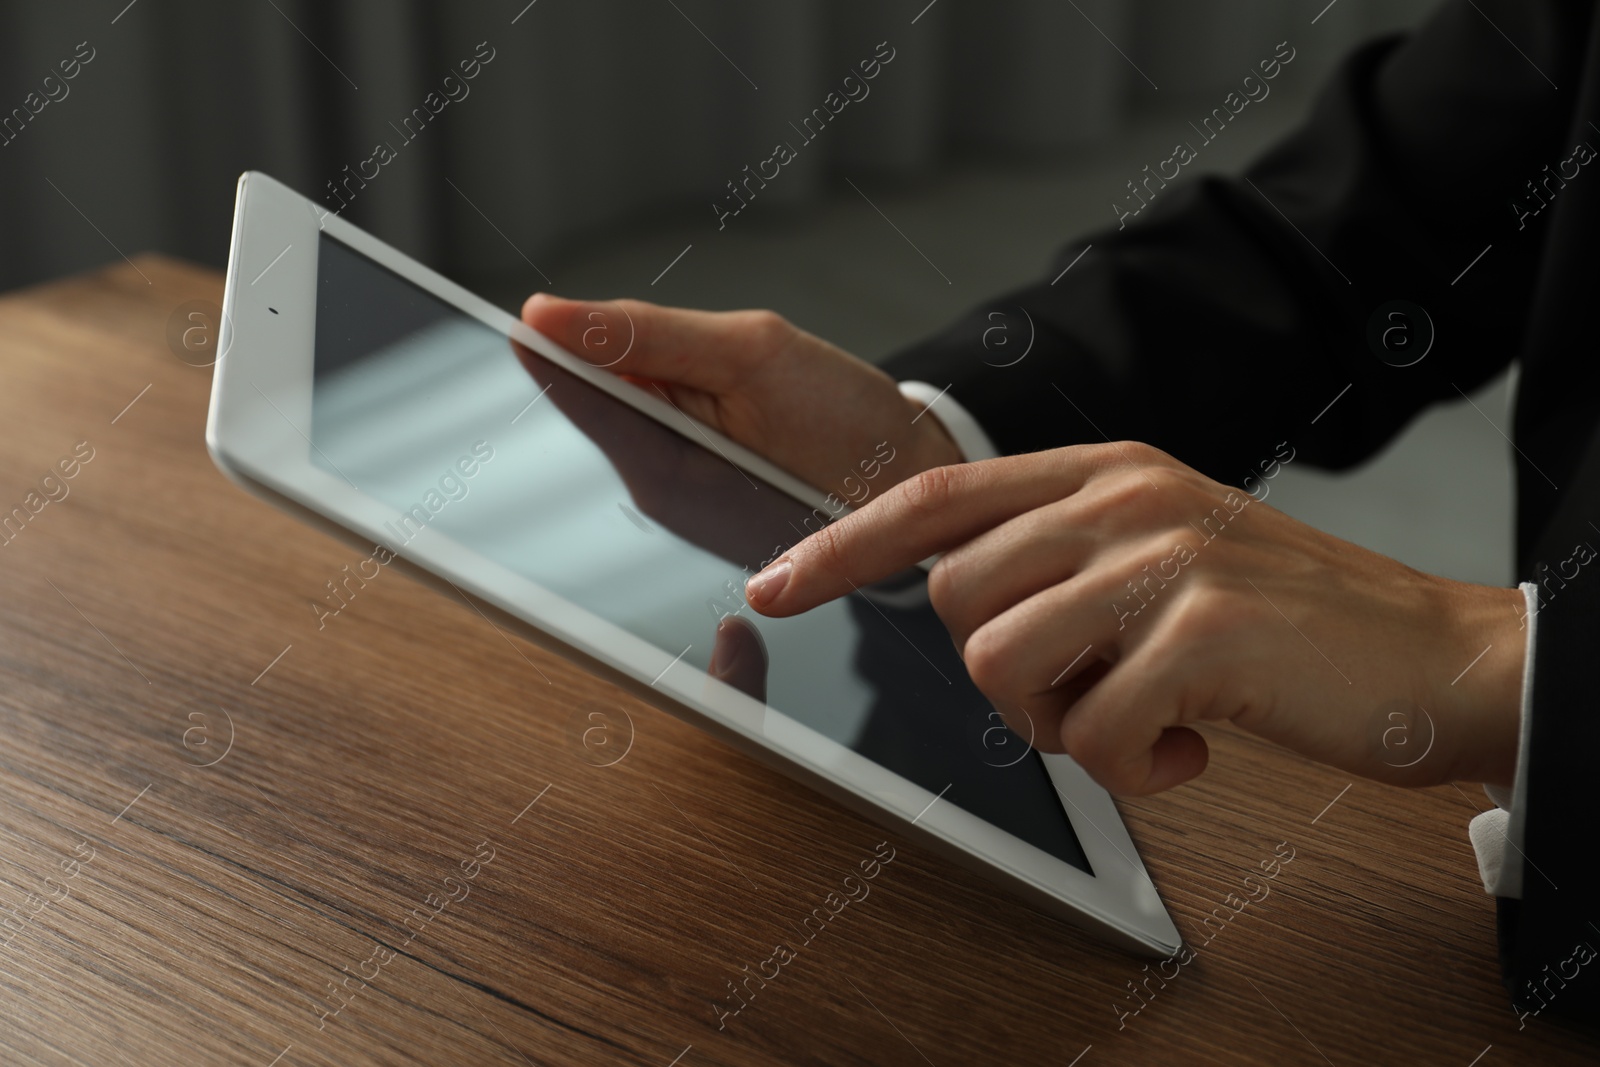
(1227, 314)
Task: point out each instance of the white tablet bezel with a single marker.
(258, 433)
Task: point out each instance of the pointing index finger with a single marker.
(924, 515)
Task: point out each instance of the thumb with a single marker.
(706, 350)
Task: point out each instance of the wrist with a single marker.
(932, 445)
(1482, 705)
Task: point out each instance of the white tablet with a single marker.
(362, 391)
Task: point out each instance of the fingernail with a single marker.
(763, 588)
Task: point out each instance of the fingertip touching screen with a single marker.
(459, 429)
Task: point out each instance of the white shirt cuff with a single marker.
(1497, 833)
(957, 421)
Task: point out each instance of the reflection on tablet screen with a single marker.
(457, 428)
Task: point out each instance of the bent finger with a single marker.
(1127, 732)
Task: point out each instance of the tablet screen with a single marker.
(457, 428)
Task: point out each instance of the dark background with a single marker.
(589, 151)
(596, 117)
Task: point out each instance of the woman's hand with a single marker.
(813, 409)
(1107, 597)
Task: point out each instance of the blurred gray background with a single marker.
(585, 157)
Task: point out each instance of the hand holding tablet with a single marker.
(806, 405)
(636, 483)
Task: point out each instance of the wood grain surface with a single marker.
(229, 837)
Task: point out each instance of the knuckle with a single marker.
(944, 583)
(952, 596)
(1149, 497)
(1137, 459)
(1128, 487)
(826, 549)
(1198, 614)
(768, 330)
(1157, 457)
(927, 492)
(1114, 454)
(1127, 495)
(1087, 748)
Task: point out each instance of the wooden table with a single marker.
(229, 837)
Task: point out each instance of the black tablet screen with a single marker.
(427, 410)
